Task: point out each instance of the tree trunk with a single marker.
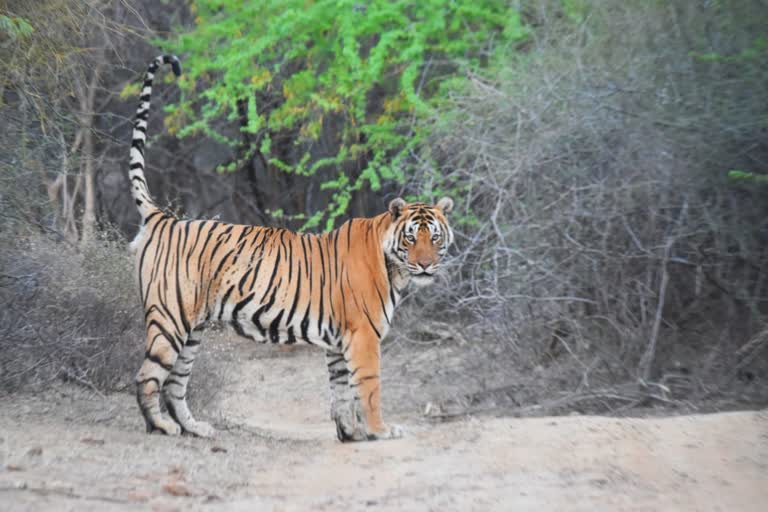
(87, 99)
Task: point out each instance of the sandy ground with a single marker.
(71, 449)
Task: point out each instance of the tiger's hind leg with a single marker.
(159, 360)
(175, 392)
(345, 403)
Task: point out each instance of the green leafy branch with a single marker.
(364, 71)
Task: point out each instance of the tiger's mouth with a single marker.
(422, 278)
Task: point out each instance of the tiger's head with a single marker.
(419, 238)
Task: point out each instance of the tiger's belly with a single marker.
(269, 322)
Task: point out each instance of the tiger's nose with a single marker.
(424, 263)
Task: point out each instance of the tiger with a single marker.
(337, 290)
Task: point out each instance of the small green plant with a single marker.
(757, 50)
(576, 10)
(362, 72)
(15, 27)
(739, 175)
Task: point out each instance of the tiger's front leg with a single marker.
(363, 392)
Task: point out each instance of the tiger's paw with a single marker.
(349, 436)
(390, 432)
(347, 432)
(396, 431)
(348, 416)
(200, 429)
(164, 426)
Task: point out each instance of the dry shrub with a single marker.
(599, 242)
(68, 313)
(605, 244)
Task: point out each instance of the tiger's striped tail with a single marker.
(139, 188)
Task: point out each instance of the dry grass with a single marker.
(68, 314)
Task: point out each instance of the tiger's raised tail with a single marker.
(139, 188)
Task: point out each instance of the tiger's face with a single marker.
(419, 237)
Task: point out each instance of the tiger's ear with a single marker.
(396, 207)
(445, 205)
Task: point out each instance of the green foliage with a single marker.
(744, 62)
(576, 10)
(15, 27)
(130, 91)
(746, 176)
(753, 53)
(361, 71)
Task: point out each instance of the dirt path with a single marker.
(71, 450)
